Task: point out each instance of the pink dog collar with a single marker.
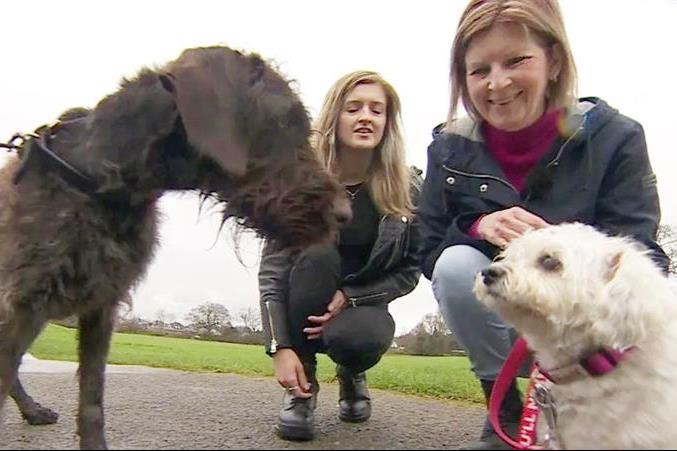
(600, 363)
(597, 364)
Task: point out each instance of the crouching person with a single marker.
(333, 298)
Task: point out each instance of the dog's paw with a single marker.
(40, 416)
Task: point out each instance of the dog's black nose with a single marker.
(491, 274)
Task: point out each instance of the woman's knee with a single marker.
(457, 266)
(358, 337)
(453, 280)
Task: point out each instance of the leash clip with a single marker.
(546, 403)
(17, 141)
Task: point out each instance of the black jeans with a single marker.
(357, 337)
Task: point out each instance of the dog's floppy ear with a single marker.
(629, 311)
(204, 84)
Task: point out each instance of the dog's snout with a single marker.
(492, 274)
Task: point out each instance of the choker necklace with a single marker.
(353, 193)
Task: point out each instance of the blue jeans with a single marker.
(484, 337)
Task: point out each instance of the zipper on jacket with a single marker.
(481, 176)
(273, 340)
(555, 161)
(353, 300)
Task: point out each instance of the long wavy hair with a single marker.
(543, 18)
(388, 177)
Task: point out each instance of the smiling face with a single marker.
(363, 117)
(507, 74)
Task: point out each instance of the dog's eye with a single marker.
(498, 258)
(549, 263)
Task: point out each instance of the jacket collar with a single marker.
(589, 113)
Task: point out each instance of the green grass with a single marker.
(438, 377)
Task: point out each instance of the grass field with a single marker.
(438, 377)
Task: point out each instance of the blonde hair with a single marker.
(389, 177)
(541, 17)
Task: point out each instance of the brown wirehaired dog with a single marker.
(78, 214)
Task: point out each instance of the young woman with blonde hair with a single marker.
(334, 298)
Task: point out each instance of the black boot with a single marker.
(296, 420)
(509, 415)
(354, 400)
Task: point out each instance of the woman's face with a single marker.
(363, 117)
(507, 75)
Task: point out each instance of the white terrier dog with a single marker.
(577, 295)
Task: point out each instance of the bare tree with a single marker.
(251, 319)
(667, 238)
(165, 317)
(429, 337)
(210, 316)
(433, 324)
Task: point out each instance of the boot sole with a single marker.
(353, 419)
(294, 433)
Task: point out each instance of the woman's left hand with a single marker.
(337, 305)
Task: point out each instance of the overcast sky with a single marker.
(56, 55)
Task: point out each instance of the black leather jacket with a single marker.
(392, 270)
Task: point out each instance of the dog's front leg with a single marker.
(31, 411)
(15, 338)
(9, 366)
(96, 329)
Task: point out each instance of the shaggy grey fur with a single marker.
(215, 120)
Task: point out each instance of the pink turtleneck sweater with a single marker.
(518, 152)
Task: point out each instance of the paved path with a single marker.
(150, 408)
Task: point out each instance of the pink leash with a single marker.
(527, 429)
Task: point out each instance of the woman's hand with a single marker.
(337, 305)
(289, 373)
(501, 227)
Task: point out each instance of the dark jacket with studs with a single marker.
(392, 271)
(596, 172)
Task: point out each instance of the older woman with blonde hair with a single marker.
(529, 154)
(334, 298)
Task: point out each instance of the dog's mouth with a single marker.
(491, 280)
(492, 294)
(495, 293)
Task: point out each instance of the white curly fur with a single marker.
(570, 291)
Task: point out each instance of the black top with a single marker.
(357, 237)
